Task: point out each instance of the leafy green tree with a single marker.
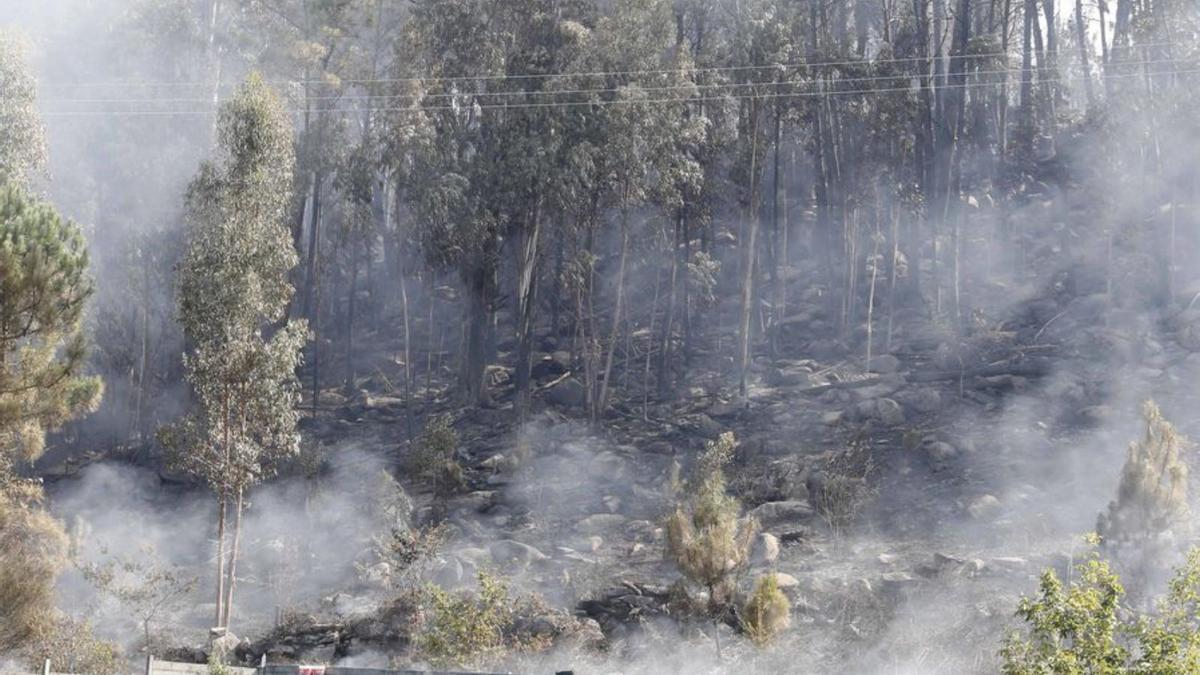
(233, 285)
(22, 142)
(1083, 628)
(44, 285)
(1073, 629)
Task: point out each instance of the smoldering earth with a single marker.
(930, 586)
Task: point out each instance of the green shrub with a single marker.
(432, 458)
(1083, 628)
(465, 629)
(72, 647)
(767, 612)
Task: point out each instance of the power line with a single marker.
(542, 76)
(569, 104)
(558, 92)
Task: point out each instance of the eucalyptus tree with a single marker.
(233, 286)
(22, 141)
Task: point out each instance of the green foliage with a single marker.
(767, 612)
(44, 285)
(403, 547)
(706, 537)
(216, 666)
(1071, 630)
(72, 647)
(466, 629)
(233, 281)
(22, 141)
(1084, 629)
(432, 457)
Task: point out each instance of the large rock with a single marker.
(599, 523)
(774, 514)
(883, 363)
(508, 551)
(883, 410)
(570, 393)
(922, 399)
(766, 549)
(983, 507)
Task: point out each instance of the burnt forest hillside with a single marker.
(613, 336)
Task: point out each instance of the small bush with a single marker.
(33, 549)
(72, 647)
(432, 457)
(706, 537)
(841, 487)
(465, 629)
(1085, 628)
(767, 612)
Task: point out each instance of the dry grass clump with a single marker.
(1153, 494)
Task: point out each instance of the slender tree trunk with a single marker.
(239, 504)
(527, 308)
(351, 303)
(140, 411)
(601, 403)
(748, 260)
(314, 244)
(219, 614)
(1081, 37)
(408, 365)
(663, 363)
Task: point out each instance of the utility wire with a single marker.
(557, 92)
(541, 76)
(604, 103)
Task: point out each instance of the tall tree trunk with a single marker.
(750, 247)
(219, 614)
(1027, 106)
(1081, 37)
(601, 402)
(678, 269)
(239, 505)
(351, 303)
(527, 308)
(314, 244)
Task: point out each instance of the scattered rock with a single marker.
(600, 522)
(983, 507)
(570, 393)
(883, 363)
(939, 452)
(922, 399)
(507, 551)
(766, 549)
(779, 513)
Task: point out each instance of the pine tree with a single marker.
(44, 285)
(233, 285)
